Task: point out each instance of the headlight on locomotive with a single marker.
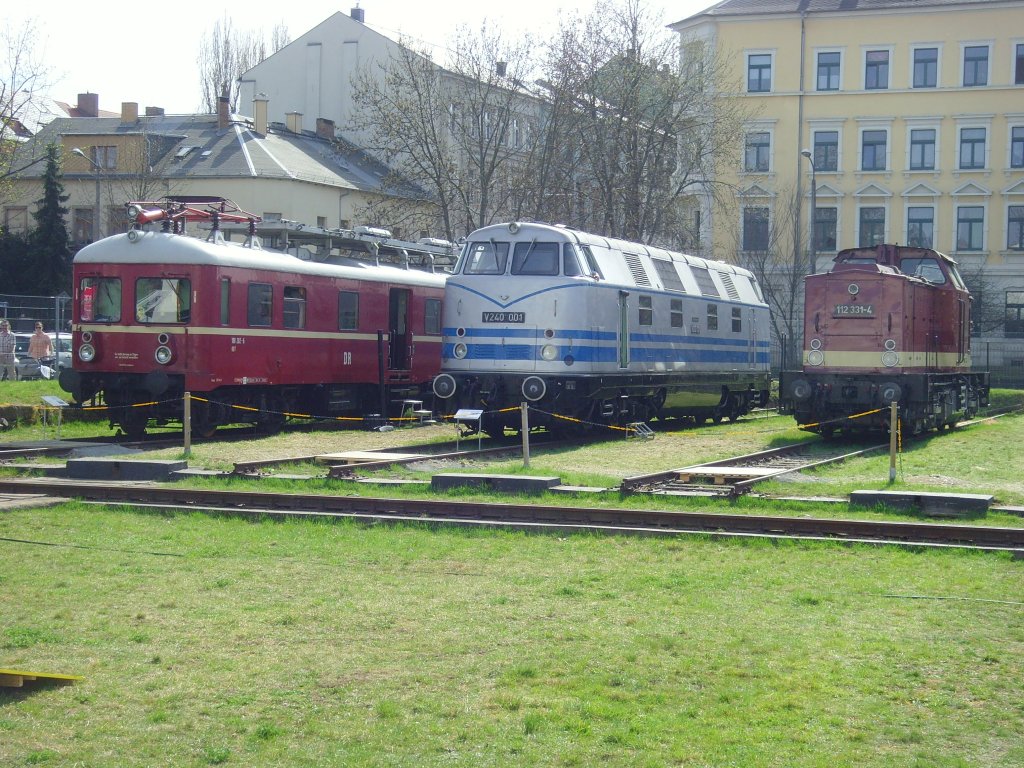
(163, 355)
(86, 353)
(549, 352)
(460, 351)
(890, 358)
(815, 357)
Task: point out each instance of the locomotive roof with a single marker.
(162, 248)
(588, 238)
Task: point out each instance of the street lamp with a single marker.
(97, 222)
(813, 239)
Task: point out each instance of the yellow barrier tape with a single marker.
(841, 418)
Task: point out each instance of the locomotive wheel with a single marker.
(203, 428)
(716, 417)
(134, 428)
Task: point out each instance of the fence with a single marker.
(24, 312)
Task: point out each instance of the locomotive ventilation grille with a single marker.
(730, 286)
(637, 268)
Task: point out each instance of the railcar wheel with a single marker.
(134, 429)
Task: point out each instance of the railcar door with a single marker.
(398, 329)
(623, 329)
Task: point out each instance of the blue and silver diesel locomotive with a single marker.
(598, 330)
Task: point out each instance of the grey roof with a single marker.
(193, 146)
(757, 7)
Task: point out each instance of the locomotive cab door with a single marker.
(399, 348)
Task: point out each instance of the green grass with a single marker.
(210, 641)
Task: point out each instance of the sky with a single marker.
(146, 53)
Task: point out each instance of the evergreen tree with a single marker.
(50, 244)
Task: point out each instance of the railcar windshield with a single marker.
(100, 299)
(535, 258)
(163, 300)
(926, 268)
(486, 258)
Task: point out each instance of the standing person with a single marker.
(7, 341)
(39, 345)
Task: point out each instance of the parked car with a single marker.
(30, 368)
(64, 352)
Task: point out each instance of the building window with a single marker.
(646, 310)
(873, 151)
(676, 312)
(759, 72)
(828, 71)
(82, 224)
(758, 150)
(872, 227)
(294, 307)
(755, 229)
(970, 228)
(826, 151)
(1018, 64)
(1017, 146)
(104, 157)
(926, 67)
(972, 148)
(975, 65)
(922, 149)
(712, 317)
(876, 70)
(1014, 314)
(432, 317)
(348, 310)
(920, 226)
(260, 307)
(825, 227)
(1015, 228)
(16, 219)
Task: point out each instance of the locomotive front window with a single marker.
(486, 258)
(260, 306)
(926, 268)
(535, 259)
(163, 300)
(100, 299)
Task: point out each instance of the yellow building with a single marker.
(908, 115)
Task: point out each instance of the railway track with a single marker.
(733, 476)
(281, 506)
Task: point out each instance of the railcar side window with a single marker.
(294, 307)
(225, 301)
(487, 258)
(737, 320)
(676, 312)
(348, 310)
(570, 264)
(100, 299)
(535, 259)
(927, 268)
(712, 317)
(432, 317)
(260, 307)
(163, 300)
(591, 261)
(646, 310)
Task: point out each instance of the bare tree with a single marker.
(24, 80)
(226, 53)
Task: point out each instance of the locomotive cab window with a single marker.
(294, 307)
(260, 306)
(535, 259)
(926, 268)
(100, 299)
(570, 264)
(489, 258)
(348, 310)
(163, 300)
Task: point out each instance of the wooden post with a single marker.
(525, 411)
(894, 425)
(188, 424)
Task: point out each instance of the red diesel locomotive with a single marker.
(254, 335)
(888, 323)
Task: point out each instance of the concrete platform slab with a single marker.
(511, 483)
(114, 469)
(928, 503)
(364, 457)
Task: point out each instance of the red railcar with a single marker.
(254, 335)
(884, 324)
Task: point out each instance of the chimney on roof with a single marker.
(223, 112)
(294, 122)
(259, 113)
(325, 128)
(500, 67)
(129, 112)
(154, 111)
(358, 14)
(88, 105)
